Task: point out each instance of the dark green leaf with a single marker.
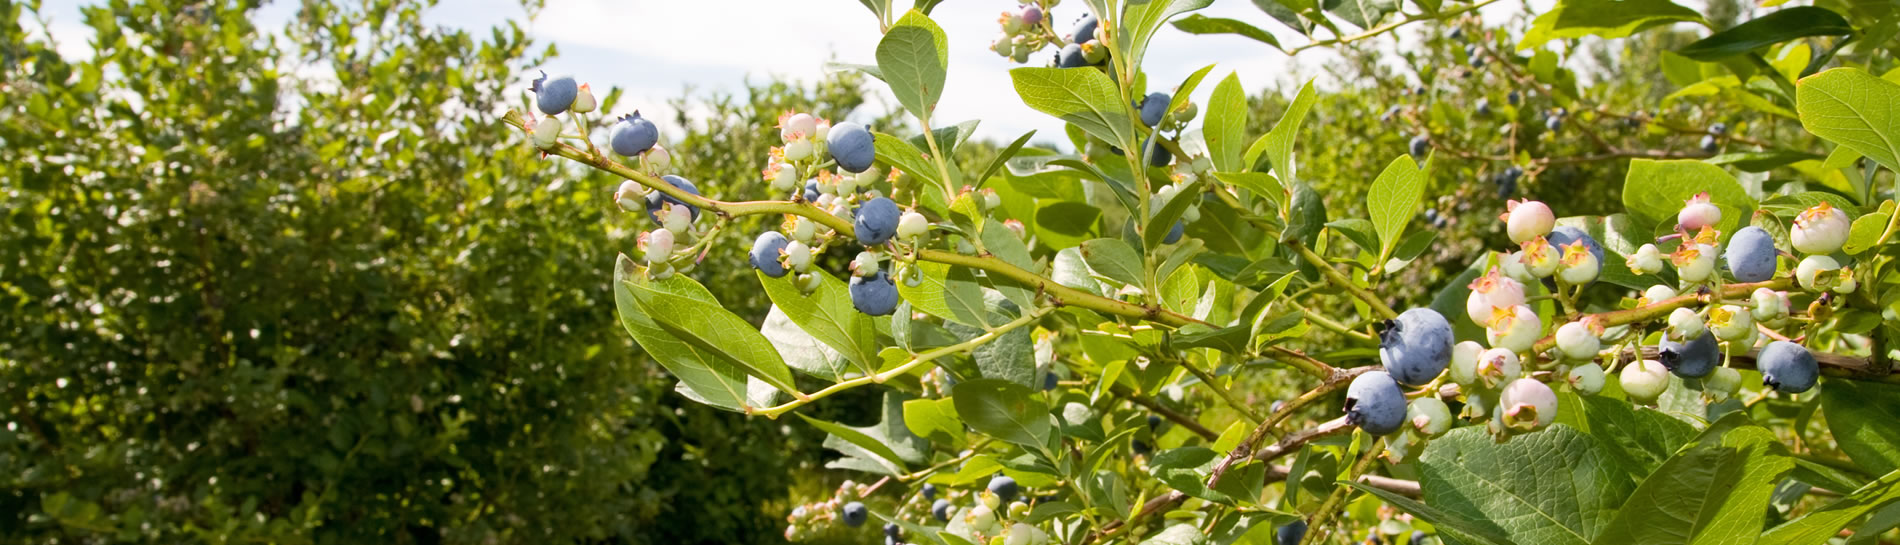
(1780, 26)
(1202, 24)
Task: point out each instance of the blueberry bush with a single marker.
(1182, 327)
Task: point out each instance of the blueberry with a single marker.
(1389, 112)
(1484, 106)
(554, 96)
(874, 295)
(1375, 403)
(941, 510)
(1554, 123)
(656, 198)
(1048, 381)
(1751, 255)
(877, 221)
(1174, 235)
(811, 191)
(1160, 157)
(1418, 537)
(1290, 534)
(930, 491)
(1456, 34)
(1153, 107)
(1567, 235)
(765, 253)
(1420, 145)
(1694, 359)
(1416, 347)
(1084, 29)
(1514, 98)
(1071, 57)
(1787, 367)
(893, 531)
(850, 146)
(1709, 144)
(1003, 487)
(855, 514)
(1719, 128)
(1154, 422)
(633, 135)
(1140, 448)
(1477, 61)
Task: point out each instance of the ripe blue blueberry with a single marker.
(633, 135)
(656, 198)
(855, 514)
(850, 146)
(1694, 359)
(1514, 98)
(1787, 367)
(554, 96)
(1071, 57)
(1375, 403)
(1290, 534)
(875, 295)
(1153, 107)
(1719, 128)
(1710, 144)
(1154, 422)
(1418, 537)
(1420, 145)
(1751, 255)
(1174, 235)
(1084, 29)
(811, 190)
(765, 253)
(1416, 347)
(1554, 123)
(941, 510)
(1003, 487)
(877, 221)
(930, 491)
(1140, 448)
(893, 531)
(1567, 235)
(1484, 106)
(1048, 381)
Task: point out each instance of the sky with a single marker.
(655, 50)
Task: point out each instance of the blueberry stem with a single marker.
(1317, 528)
(1333, 325)
(1213, 383)
(919, 359)
(1339, 279)
(1388, 27)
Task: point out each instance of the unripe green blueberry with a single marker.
(631, 195)
(1018, 510)
(1586, 379)
(1816, 273)
(547, 132)
(584, 100)
(676, 218)
(1429, 416)
(803, 229)
(1464, 362)
(1527, 405)
(1822, 229)
(1577, 265)
(1685, 324)
(798, 150)
(1498, 366)
(1698, 212)
(1538, 257)
(1767, 305)
(1490, 291)
(1657, 293)
(1741, 346)
(1646, 260)
(1513, 265)
(865, 264)
(1021, 534)
(1478, 406)
(1527, 219)
(1514, 328)
(807, 283)
(911, 225)
(1644, 381)
(783, 177)
(659, 246)
(1730, 322)
(657, 160)
(1723, 383)
(1846, 284)
(798, 255)
(1579, 340)
(1694, 262)
(981, 517)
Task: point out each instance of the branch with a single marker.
(1165, 412)
(919, 359)
(1327, 509)
(1339, 279)
(1409, 489)
(1388, 27)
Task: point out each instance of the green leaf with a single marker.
(1710, 493)
(1818, 526)
(1364, 14)
(1003, 157)
(1141, 18)
(951, 293)
(900, 154)
(1553, 487)
(1359, 231)
(1864, 418)
(914, 56)
(1654, 191)
(827, 315)
(1083, 97)
(1866, 232)
(1761, 161)
(1260, 183)
(710, 379)
(1004, 410)
(1185, 91)
(884, 456)
(708, 326)
(1466, 530)
(1114, 259)
(1225, 124)
(867, 69)
(1604, 18)
(1170, 212)
(1394, 198)
(1010, 357)
(803, 352)
(1277, 144)
(934, 419)
(1202, 24)
(1850, 107)
(1305, 217)
(1185, 469)
(1639, 439)
(1780, 26)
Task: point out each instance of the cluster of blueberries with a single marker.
(1023, 33)
(996, 513)
(1497, 382)
(1291, 533)
(1026, 31)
